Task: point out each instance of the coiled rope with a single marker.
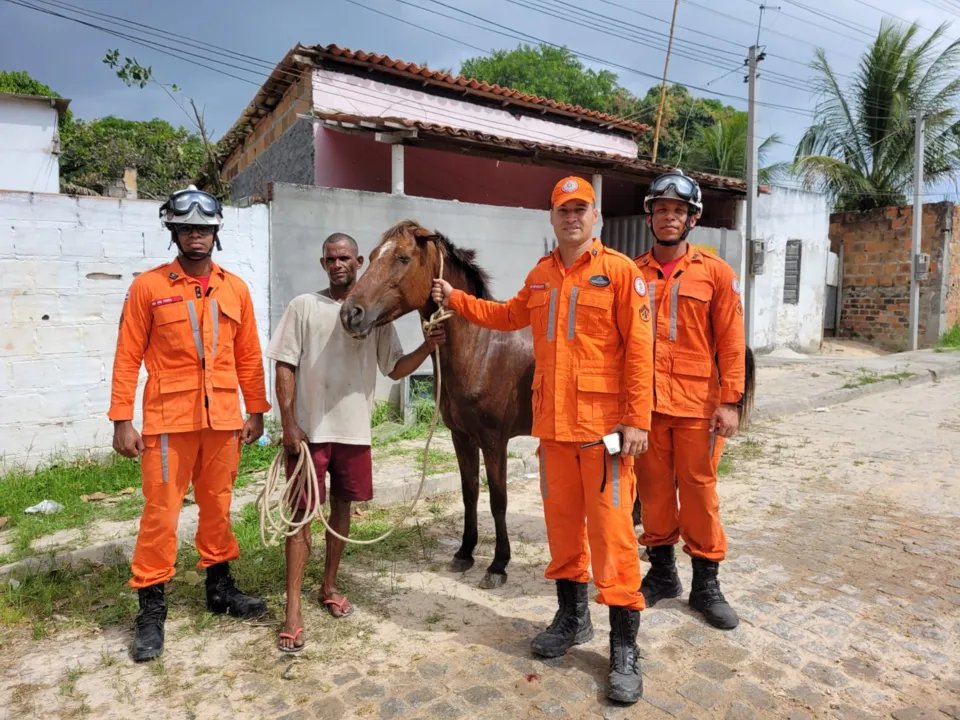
(274, 513)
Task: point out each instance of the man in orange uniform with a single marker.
(191, 323)
(699, 351)
(588, 309)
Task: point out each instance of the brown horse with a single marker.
(486, 395)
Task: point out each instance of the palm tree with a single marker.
(861, 151)
(721, 149)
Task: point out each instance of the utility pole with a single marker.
(916, 228)
(754, 57)
(663, 87)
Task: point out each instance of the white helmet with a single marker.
(676, 186)
(191, 207)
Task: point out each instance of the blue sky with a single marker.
(710, 44)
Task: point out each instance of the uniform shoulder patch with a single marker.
(736, 285)
(640, 286)
(645, 313)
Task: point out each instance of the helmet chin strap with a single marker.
(194, 255)
(672, 243)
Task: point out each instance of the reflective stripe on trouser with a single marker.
(679, 460)
(209, 459)
(584, 523)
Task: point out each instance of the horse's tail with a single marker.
(749, 385)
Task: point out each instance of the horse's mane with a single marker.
(460, 259)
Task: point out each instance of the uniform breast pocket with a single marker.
(227, 326)
(693, 304)
(172, 326)
(591, 313)
(539, 307)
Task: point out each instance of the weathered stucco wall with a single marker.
(785, 214)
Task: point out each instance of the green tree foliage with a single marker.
(558, 74)
(166, 158)
(721, 149)
(861, 148)
(549, 72)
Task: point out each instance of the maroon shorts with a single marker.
(350, 468)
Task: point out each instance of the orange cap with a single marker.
(572, 188)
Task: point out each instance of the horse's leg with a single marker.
(468, 457)
(495, 460)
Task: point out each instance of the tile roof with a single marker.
(304, 57)
(642, 169)
(375, 61)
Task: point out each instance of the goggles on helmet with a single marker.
(684, 187)
(183, 201)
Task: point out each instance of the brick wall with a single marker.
(953, 282)
(876, 273)
(289, 159)
(297, 99)
(65, 266)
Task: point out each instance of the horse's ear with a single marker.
(422, 235)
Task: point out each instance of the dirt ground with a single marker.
(844, 565)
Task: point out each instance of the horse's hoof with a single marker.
(460, 565)
(493, 580)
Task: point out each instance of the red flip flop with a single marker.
(287, 636)
(343, 599)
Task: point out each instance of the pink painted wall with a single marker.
(360, 163)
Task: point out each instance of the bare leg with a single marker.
(298, 553)
(339, 521)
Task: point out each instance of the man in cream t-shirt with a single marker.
(325, 383)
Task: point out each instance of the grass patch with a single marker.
(438, 461)
(950, 342)
(99, 597)
(736, 452)
(869, 377)
(65, 480)
(422, 402)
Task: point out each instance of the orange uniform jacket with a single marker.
(198, 349)
(698, 334)
(591, 341)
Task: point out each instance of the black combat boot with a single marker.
(571, 625)
(706, 597)
(661, 581)
(148, 636)
(625, 683)
(223, 596)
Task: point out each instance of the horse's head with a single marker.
(397, 281)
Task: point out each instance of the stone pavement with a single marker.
(844, 564)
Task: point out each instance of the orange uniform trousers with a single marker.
(682, 458)
(210, 460)
(588, 509)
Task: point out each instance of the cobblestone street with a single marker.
(844, 565)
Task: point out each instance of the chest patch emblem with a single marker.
(538, 286)
(166, 301)
(599, 281)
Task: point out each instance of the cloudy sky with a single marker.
(626, 36)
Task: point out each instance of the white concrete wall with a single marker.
(355, 95)
(28, 135)
(782, 215)
(65, 266)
